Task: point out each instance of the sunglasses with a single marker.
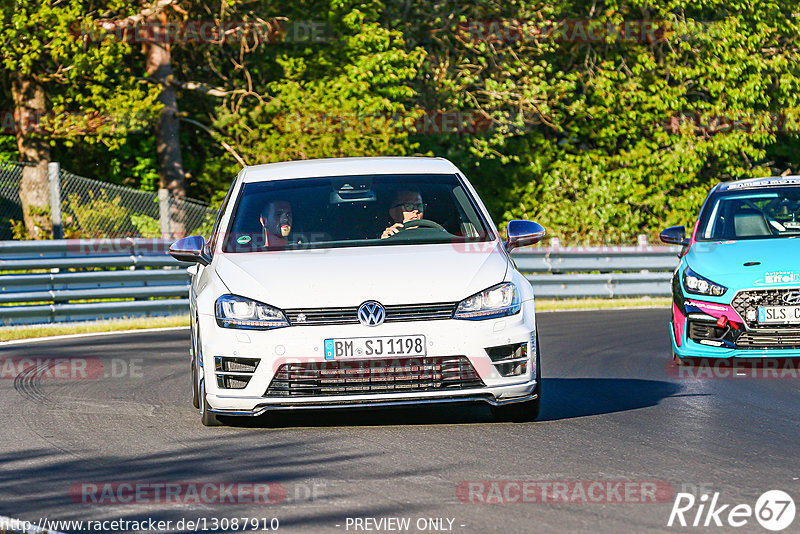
(411, 206)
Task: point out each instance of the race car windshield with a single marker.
(354, 211)
(767, 213)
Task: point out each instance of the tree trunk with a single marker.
(168, 147)
(34, 190)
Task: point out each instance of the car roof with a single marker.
(346, 167)
(750, 183)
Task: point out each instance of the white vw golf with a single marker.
(359, 282)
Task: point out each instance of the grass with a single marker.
(8, 333)
(601, 304)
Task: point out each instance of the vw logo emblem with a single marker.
(792, 298)
(371, 313)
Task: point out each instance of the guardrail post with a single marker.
(54, 171)
(163, 213)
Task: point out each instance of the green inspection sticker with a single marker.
(243, 240)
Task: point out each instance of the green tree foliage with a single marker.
(94, 94)
(601, 119)
(622, 136)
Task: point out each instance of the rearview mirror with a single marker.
(190, 249)
(523, 234)
(675, 235)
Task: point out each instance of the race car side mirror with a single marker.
(675, 235)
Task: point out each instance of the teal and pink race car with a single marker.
(736, 291)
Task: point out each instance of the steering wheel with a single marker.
(421, 223)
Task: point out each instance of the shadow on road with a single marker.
(565, 398)
(426, 415)
(39, 482)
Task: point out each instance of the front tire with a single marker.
(208, 417)
(195, 395)
(527, 411)
(195, 359)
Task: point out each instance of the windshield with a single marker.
(753, 214)
(353, 211)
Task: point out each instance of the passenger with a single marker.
(406, 206)
(276, 218)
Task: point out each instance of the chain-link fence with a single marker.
(10, 206)
(95, 209)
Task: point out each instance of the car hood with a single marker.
(397, 274)
(724, 262)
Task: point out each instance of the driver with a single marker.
(406, 206)
(276, 218)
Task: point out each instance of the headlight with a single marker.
(239, 312)
(497, 301)
(694, 283)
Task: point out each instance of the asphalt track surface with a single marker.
(613, 410)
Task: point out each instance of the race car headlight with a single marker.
(239, 312)
(497, 301)
(694, 283)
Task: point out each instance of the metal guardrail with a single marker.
(70, 280)
(603, 272)
(74, 280)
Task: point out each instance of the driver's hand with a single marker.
(393, 229)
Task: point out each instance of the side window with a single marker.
(212, 243)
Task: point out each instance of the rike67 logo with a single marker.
(774, 510)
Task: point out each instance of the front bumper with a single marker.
(305, 344)
(707, 329)
(692, 349)
(494, 397)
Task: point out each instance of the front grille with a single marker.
(758, 340)
(398, 375)
(746, 304)
(349, 315)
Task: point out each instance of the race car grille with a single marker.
(783, 340)
(398, 375)
(704, 330)
(349, 315)
(746, 304)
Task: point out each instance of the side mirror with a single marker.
(523, 234)
(190, 249)
(675, 235)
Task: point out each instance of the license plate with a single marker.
(778, 314)
(374, 346)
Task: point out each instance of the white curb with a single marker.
(89, 334)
